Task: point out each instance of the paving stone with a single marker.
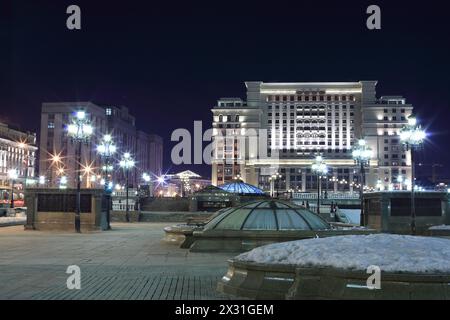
(129, 262)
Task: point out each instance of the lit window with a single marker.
(108, 111)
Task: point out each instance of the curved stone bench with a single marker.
(439, 232)
(278, 281)
(179, 234)
(257, 280)
(339, 284)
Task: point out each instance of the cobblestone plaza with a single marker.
(129, 262)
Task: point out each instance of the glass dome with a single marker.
(240, 187)
(267, 215)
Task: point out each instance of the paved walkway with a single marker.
(129, 262)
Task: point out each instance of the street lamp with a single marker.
(12, 175)
(80, 130)
(272, 179)
(412, 136)
(361, 154)
(24, 147)
(106, 149)
(126, 163)
(319, 168)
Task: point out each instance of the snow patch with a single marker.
(12, 220)
(392, 253)
(441, 227)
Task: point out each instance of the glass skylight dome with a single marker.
(240, 187)
(270, 215)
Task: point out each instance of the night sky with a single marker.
(170, 62)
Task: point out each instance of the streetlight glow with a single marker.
(80, 115)
(320, 169)
(126, 163)
(361, 155)
(13, 174)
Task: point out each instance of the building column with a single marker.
(303, 180)
(288, 179)
(350, 180)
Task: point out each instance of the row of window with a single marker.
(303, 107)
(229, 118)
(309, 97)
(393, 110)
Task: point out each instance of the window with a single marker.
(51, 125)
(108, 111)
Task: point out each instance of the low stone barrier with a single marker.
(338, 284)
(120, 216)
(163, 216)
(257, 280)
(277, 282)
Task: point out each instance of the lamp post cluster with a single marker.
(80, 130)
(362, 154)
(274, 178)
(320, 169)
(127, 163)
(106, 150)
(412, 136)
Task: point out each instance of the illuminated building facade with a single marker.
(17, 152)
(57, 151)
(301, 120)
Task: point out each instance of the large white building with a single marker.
(295, 122)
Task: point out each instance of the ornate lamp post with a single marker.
(126, 164)
(361, 154)
(80, 130)
(12, 175)
(319, 168)
(412, 136)
(274, 178)
(106, 149)
(26, 160)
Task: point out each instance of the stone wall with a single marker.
(165, 204)
(61, 216)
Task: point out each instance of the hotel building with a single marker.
(296, 122)
(57, 150)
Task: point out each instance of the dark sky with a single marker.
(170, 62)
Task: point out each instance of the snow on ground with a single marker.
(353, 215)
(441, 227)
(12, 220)
(392, 253)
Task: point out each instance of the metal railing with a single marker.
(330, 195)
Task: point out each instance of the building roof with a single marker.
(270, 215)
(240, 187)
(187, 173)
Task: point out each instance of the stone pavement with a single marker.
(129, 262)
